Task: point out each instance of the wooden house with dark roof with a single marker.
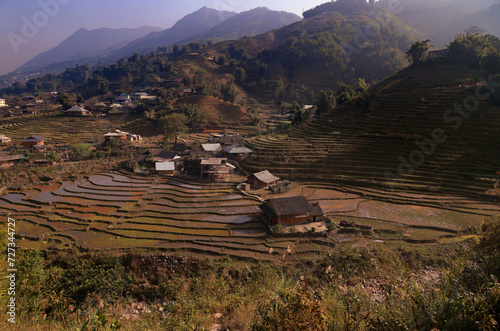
(227, 140)
(291, 211)
(237, 152)
(33, 140)
(77, 111)
(262, 179)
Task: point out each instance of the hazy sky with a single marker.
(66, 16)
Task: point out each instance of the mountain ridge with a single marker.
(84, 40)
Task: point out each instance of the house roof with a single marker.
(115, 134)
(162, 153)
(159, 155)
(211, 147)
(139, 158)
(180, 147)
(165, 166)
(266, 177)
(77, 109)
(34, 139)
(6, 157)
(226, 140)
(213, 161)
(200, 153)
(100, 104)
(294, 206)
(237, 149)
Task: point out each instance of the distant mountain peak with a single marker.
(88, 42)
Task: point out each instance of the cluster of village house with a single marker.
(211, 159)
(32, 143)
(212, 162)
(124, 102)
(213, 165)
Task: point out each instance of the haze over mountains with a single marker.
(108, 45)
(84, 44)
(439, 21)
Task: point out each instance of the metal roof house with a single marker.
(4, 139)
(165, 168)
(77, 111)
(262, 179)
(117, 135)
(213, 149)
(237, 152)
(33, 140)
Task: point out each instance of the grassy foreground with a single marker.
(370, 287)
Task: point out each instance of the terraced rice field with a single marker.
(123, 212)
(215, 109)
(62, 130)
(396, 216)
(369, 150)
(118, 211)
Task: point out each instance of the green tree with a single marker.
(79, 99)
(474, 49)
(344, 94)
(229, 92)
(297, 114)
(418, 51)
(173, 125)
(361, 86)
(325, 102)
(81, 151)
(195, 117)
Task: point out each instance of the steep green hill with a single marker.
(420, 135)
(317, 52)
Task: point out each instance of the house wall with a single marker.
(29, 145)
(166, 172)
(255, 183)
(292, 220)
(238, 157)
(78, 113)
